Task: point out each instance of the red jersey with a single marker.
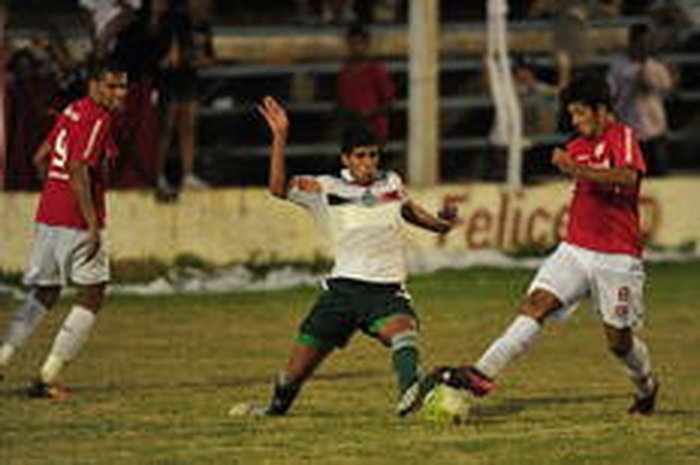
(605, 217)
(82, 132)
(366, 87)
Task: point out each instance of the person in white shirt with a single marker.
(364, 210)
(639, 84)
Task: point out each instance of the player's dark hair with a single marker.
(590, 89)
(357, 135)
(357, 30)
(637, 31)
(97, 68)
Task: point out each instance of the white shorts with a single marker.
(614, 282)
(57, 258)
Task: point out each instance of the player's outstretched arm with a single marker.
(277, 121)
(566, 164)
(419, 216)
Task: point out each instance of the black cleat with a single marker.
(465, 377)
(412, 398)
(41, 390)
(645, 405)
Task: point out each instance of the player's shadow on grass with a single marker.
(203, 384)
(513, 405)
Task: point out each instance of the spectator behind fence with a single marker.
(639, 83)
(38, 76)
(137, 51)
(365, 91)
(186, 33)
(107, 18)
(538, 103)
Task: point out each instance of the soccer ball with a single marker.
(445, 405)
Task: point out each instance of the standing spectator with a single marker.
(538, 103)
(35, 81)
(186, 34)
(638, 83)
(364, 89)
(107, 19)
(69, 243)
(137, 50)
(573, 51)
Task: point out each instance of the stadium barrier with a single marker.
(243, 225)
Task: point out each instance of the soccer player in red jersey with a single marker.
(68, 246)
(599, 258)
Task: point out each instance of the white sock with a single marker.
(638, 366)
(515, 340)
(23, 323)
(68, 341)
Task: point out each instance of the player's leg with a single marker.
(329, 324)
(166, 136)
(186, 121)
(559, 284)
(619, 301)
(400, 334)
(307, 355)
(26, 319)
(633, 353)
(43, 276)
(90, 278)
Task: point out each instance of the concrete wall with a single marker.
(228, 225)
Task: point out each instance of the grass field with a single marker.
(154, 384)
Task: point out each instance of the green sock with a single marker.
(405, 357)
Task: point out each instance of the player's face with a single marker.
(363, 163)
(110, 90)
(588, 121)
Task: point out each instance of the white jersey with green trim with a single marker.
(364, 224)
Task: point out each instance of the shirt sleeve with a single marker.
(385, 87)
(86, 140)
(625, 150)
(307, 191)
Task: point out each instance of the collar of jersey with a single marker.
(347, 176)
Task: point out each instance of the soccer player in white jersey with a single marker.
(364, 210)
(599, 258)
(68, 245)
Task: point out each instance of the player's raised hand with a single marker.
(562, 160)
(275, 115)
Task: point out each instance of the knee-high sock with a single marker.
(22, 325)
(284, 392)
(513, 342)
(637, 364)
(68, 342)
(405, 358)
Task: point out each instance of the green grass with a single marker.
(155, 381)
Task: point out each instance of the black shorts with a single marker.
(178, 85)
(348, 305)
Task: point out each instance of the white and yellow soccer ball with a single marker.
(446, 405)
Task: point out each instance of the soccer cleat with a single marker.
(645, 405)
(412, 398)
(41, 390)
(465, 377)
(246, 409)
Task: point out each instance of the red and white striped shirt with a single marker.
(82, 132)
(605, 217)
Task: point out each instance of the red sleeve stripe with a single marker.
(628, 146)
(93, 137)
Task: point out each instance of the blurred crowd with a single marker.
(164, 43)
(161, 43)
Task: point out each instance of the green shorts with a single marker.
(347, 305)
